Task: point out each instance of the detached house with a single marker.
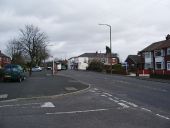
(81, 62)
(4, 60)
(156, 57)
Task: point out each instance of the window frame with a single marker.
(168, 65)
(168, 49)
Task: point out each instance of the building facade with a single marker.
(4, 60)
(156, 57)
(82, 62)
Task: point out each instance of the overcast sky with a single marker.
(72, 25)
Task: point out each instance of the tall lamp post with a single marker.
(110, 44)
(45, 51)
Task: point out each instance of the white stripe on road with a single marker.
(116, 98)
(107, 94)
(19, 105)
(145, 109)
(132, 104)
(103, 95)
(167, 118)
(116, 101)
(96, 89)
(75, 112)
(123, 105)
(47, 105)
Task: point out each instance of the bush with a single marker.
(160, 76)
(116, 69)
(1, 73)
(96, 66)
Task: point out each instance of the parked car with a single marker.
(36, 69)
(13, 72)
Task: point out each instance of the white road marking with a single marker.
(47, 105)
(96, 89)
(129, 103)
(116, 101)
(167, 118)
(3, 96)
(107, 94)
(75, 112)
(19, 105)
(116, 98)
(145, 109)
(123, 105)
(103, 95)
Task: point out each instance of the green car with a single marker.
(13, 72)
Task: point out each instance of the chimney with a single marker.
(168, 37)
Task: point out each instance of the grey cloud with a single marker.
(72, 25)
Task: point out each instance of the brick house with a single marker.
(156, 58)
(4, 60)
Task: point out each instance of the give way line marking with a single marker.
(75, 112)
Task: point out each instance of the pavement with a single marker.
(40, 84)
(146, 77)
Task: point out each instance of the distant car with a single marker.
(13, 72)
(36, 69)
(63, 67)
(49, 68)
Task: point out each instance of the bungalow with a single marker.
(156, 57)
(81, 62)
(133, 62)
(4, 60)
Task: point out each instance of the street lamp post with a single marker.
(45, 53)
(53, 66)
(110, 27)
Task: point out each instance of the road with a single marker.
(112, 101)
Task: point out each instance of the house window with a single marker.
(148, 65)
(159, 65)
(168, 65)
(159, 53)
(168, 51)
(147, 54)
(85, 60)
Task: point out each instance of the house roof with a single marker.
(157, 45)
(93, 55)
(135, 58)
(3, 55)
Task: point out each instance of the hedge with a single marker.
(160, 76)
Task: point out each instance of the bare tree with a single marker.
(13, 47)
(29, 46)
(32, 41)
(14, 50)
